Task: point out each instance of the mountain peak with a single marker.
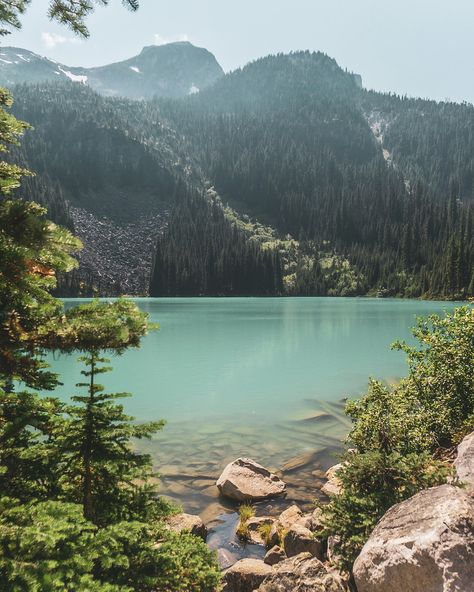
(172, 70)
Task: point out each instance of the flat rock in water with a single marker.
(245, 480)
(424, 544)
(464, 463)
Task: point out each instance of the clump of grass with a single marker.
(246, 511)
(264, 530)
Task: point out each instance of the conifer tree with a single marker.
(101, 471)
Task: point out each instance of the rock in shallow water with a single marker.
(245, 480)
(425, 543)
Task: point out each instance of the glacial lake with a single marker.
(258, 377)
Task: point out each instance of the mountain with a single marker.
(283, 177)
(172, 70)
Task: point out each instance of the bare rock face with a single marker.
(188, 522)
(274, 555)
(246, 575)
(464, 463)
(245, 480)
(425, 543)
(333, 485)
(301, 540)
(303, 573)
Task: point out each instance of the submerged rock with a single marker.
(303, 573)
(425, 543)
(246, 575)
(464, 463)
(188, 522)
(245, 480)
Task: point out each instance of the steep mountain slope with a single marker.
(294, 141)
(284, 177)
(119, 176)
(172, 70)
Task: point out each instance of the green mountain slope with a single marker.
(284, 177)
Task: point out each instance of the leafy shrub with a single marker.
(398, 431)
(372, 482)
(51, 547)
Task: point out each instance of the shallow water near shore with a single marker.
(259, 377)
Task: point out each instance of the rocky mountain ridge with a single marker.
(171, 70)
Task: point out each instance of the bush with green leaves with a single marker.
(51, 547)
(399, 432)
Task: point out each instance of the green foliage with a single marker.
(246, 511)
(152, 560)
(71, 13)
(441, 375)
(373, 482)
(51, 547)
(101, 470)
(95, 326)
(32, 251)
(398, 431)
(265, 530)
(48, 547)
(28, 461)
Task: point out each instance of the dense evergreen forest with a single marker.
(284, 177)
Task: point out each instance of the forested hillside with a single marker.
(375, 184)
(284, 177)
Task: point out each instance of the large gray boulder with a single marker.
(303, 573)
(245, 480)
(246, 575)
(424, 544)
(464, 463)
(189, 523)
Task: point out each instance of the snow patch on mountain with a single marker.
(193, 90)
(74, 77)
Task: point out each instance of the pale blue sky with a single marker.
(415, 47)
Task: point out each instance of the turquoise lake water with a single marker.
(261, 377)
(214, 357)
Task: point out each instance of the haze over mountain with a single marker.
(172, 70)
(283, 177)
